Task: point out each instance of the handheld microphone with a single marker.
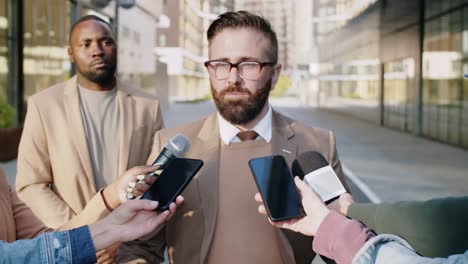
(175, 148)
(314, 169)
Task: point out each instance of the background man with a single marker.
(218, 222)
(81, 134)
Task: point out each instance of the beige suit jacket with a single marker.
(55, 176)
(17, 220)
(189, 233)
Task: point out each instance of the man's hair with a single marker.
(245, 19)
(86, 18)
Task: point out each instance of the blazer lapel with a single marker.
(208, 143)
(126, 109)
(282, 138)
(77, 131)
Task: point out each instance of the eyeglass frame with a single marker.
(235, 65)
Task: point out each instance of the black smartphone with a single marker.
(172, 181)
(277, 188)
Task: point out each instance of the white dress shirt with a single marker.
(228, 132)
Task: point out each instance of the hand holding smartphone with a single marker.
(277, 188)
(172, 181)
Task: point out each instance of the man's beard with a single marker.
(241, 111)
(104, 76)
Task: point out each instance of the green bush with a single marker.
(7, 114)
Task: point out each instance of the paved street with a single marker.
(393, 165)
(380, 164)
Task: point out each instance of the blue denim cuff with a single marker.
(82, 245)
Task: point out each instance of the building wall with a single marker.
(137, 38)
(349, 67)
(400, 64)
(186, 47)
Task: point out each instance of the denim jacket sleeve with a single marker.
(74, 246)
(384, 249)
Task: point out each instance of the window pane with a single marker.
(46, 25)
(3, 50)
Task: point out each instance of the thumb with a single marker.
(137, 205)
(301, 185)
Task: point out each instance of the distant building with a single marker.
(182, 47)
(396, 63)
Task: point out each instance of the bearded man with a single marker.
(80, 135)
(218, 222)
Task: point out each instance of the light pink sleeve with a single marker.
(340, 238)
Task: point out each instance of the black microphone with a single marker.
(175, 148)
(307, 162)
(315, 170)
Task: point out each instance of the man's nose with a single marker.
(234, 76)
(97, 50)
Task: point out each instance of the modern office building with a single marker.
(34, 42)
(399, 64)
(182, 45)
(280, 14)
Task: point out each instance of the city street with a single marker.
(380, 164)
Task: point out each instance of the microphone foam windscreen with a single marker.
(307, 162)
(178, 145)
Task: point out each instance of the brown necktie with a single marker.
(247, 135)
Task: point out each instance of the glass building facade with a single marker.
(445, 60)
(3, 50)
(400, 64)
(33, 48)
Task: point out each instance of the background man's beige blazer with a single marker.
(188, 234)
(55, 176)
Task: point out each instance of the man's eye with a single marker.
(107, 42)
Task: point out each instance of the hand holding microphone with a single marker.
(314, 170)
(177, 146)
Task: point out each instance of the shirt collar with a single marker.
(228, 132)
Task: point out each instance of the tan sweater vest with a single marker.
(241, 234)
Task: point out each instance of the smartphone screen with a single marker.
(172, 181)
(277, 187)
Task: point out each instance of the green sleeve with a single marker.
(434, 228)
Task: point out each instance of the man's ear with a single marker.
(276, 75)
(70, 54)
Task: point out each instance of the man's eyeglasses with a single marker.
(249, 70)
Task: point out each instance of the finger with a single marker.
(137, 205)
(172, 209)
(262, 210)
(140, 188)
(347, 197)
(258, 198)
(179, 200)
(150, 180)
(142, 170)
(102, 256)
(100, 253)
(301, 185)
(107, 261)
